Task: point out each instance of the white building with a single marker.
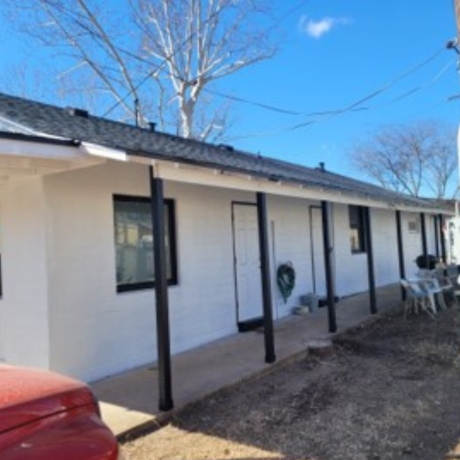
(77, 290)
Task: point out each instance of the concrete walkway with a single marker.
(129, 401)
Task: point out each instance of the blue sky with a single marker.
(334, 53)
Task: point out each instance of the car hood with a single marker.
(28, 394)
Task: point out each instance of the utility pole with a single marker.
(455, 47)
(457, 15)
(453, 44)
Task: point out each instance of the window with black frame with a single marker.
(134, 242)
(356, 215)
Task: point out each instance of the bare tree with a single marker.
(151, 58)
(417, 159)
(25, 81)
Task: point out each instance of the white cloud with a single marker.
(316, 29)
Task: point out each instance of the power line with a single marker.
(74, 15)
(443, 102)
(269, 107)
(328, 113)
(418, 88)
(352, 107)
(355, 106)
(288, 13)
(382, 89)
(158, 68)
(81, 20)
(249, 102)
(186, 41)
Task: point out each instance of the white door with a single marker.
(247, 262)
(317, 251)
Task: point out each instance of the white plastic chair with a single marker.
(418, 298)
(433, 289)
(446, 285)
(452, 274)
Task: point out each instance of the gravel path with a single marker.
(389, 391)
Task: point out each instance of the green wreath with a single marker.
(286, 279)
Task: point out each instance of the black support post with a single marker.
(328, 266)
(370, 260)
(161, 294)
(436, 235)
(442, 238)
(424, 241)
(269, 338)
(402, 268)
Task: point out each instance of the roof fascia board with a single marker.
(209, 170)
(19, 143)
(39, 137)
(179, 172)
(38, 149)
(224, 179)
(103, 152)
(27, 155)
(319, 193)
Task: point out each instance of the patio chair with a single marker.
(435, 284)
(447, 286)
(418, 298)
(453, 275)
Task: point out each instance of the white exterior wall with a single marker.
(350, 269)
(413, 245)
(412, 242)
(430, 234)
(385, 245)
(59, 268)
(24, 332)
(289, 238)
(96, 331)
(203, 305)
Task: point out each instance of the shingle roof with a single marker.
(21, 116)
(8, 126)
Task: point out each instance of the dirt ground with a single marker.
(390, 390)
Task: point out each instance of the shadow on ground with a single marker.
(389, 391)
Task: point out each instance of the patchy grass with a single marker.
(390, 391)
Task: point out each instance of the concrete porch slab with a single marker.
(129, 401)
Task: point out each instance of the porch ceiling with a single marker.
(13, 166)
(35, 157)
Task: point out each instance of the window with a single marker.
(413, 226)
(356, 214)
(134, 243)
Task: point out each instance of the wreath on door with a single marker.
(286, 280)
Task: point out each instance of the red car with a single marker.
(45, 416)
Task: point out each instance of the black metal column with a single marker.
(402, 268)
(269, 338)
(436, 235)
(328, 266)
(424, 241)
(442, 238)
(370, 260)
(161, 294)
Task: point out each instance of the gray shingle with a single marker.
(58, 121)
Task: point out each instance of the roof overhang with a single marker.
(36, 155)
(190, 173)
(25, 155)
